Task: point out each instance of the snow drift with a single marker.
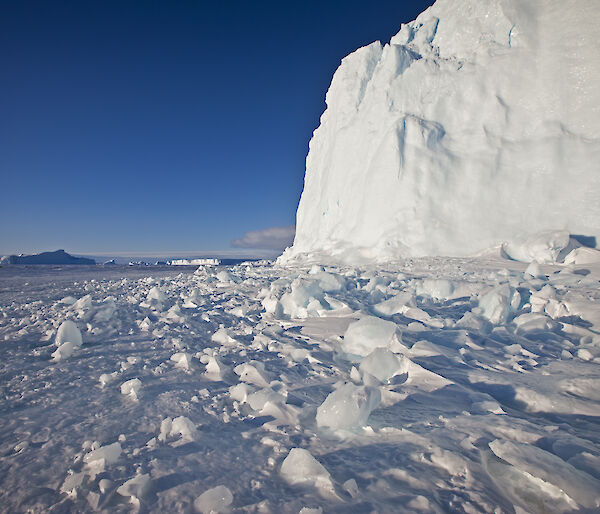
(478, 123)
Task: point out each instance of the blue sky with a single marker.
(165, 127)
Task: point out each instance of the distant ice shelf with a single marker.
(194, 262)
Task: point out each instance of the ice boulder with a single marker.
(181, 427)
(131, 388)
(497, 304)
(583, 255)
(253, 372)
(97, 460)
(368, 333)
(544, 247)
(301, 468)
(395, 305)
(348, 407)
(306, 299)
(136, 488)
(64, 351)
(182, 360)
(214, 501)
(383, 364)
(156, 296)
(68, 331)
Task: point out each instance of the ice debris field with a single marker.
(433, 385)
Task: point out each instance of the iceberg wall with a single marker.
(478, 123)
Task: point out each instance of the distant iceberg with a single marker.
(478, 123)
(57, 257)
(194, 262)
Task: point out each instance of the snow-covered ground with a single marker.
(434, 385)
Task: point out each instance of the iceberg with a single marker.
(478, 123)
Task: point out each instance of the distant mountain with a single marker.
(57, 257)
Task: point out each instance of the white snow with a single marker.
(478, 124)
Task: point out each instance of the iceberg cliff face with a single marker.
(478, 123)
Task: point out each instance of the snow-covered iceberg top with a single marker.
(478, 123)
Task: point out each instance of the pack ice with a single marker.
(477, 124)
(433, 385)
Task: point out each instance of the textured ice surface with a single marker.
(478, 123)
(473, 382)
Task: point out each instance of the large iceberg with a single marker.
(477, 124)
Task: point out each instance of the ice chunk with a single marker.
(68, 332)
(83, 304)
(583, 255)
(107, 378)
(301, 468)
(182, 360)
(395, 305)
(368, 333)
(215, 500)
(497, 304)
(543, 247)
(534, 270)
(240, 392)
(97, 459)
(349, 406)
(181, 427)
(580, 486)
(136, 487)
(530, 321)
(71, 483)
(352, 487)
(383, 364)
(131, 388)
(222, 336)
(253, 372)
(440, 289)
(155, 296)
(258, 399)
(64, 351)
(306, 299)
(225, 277)
(215, 369)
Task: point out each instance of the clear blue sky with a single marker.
(168, 126)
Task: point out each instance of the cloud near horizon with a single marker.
(272, 238)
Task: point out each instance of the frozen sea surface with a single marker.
(434, 385)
